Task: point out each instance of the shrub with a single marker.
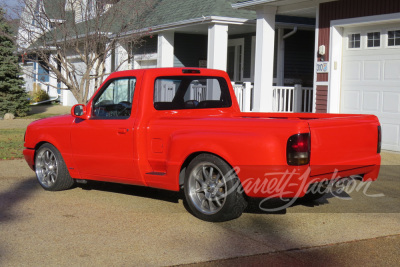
(13, 98)
(38, 96)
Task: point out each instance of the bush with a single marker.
(38, 96)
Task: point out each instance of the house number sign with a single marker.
(323, 67)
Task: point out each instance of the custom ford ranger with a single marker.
(182, 129)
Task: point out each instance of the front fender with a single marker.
(56, 131)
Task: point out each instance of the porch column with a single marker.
(52, 77)
(108, 61)
(264, 65)
(280, 60)
(217, 53)
(121, 56)
(165, 56)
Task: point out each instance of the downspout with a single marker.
(290, 33)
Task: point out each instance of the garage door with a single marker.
(371, 77)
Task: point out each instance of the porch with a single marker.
(284, 99)
(230, 45)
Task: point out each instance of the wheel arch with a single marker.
(37, 146)
(190, 157)
(66, 159)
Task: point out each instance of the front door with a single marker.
(235, 59)
(103, 146)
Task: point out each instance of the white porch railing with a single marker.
(307, 99)
(285, 99)
(198, 92)
(292, 99)
(243, 94)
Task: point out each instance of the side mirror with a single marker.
(79, 111)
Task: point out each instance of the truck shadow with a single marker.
(132, 190)
(280, 206)
(255, 206)
(9, 201)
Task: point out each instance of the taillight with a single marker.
(379, 139)
(298, 149)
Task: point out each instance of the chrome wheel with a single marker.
(207, 188)
(46, 167)
(211, 189)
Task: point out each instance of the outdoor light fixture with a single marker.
(321, 51)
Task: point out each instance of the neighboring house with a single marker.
(357, 56)
(36, 75)
(210, 33)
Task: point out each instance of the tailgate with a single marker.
(343, 143)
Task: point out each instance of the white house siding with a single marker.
(28, 78)
(68, 98)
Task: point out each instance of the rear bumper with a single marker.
(294, 182)
(29, 155)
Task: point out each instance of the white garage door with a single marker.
(371, 77)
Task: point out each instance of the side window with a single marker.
(188, 92)
(355, 40)
(115, 101)
(394, 38)
(374, 39)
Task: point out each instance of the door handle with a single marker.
(123, 130)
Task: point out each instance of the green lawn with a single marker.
(11, 143)
(38, 116)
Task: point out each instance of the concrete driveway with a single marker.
(116, 225)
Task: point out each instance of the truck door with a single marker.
(103, 145)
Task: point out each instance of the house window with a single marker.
(374, 39)
(394, 38)
(355, 40)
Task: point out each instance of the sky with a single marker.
(10, 3)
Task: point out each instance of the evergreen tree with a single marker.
(13, 98)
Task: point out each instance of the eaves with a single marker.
(190, 22)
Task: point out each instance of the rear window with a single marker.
(191, 92)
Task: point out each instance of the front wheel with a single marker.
(212, 189)
(51, 170)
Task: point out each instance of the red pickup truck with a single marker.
(182, 129)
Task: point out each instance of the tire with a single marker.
(212, 193)
(51, 170)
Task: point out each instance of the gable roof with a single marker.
(163, 12)
(54, 8)
(169, 11)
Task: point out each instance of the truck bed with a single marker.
(339, 142)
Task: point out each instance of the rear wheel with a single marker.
(51, 170)
(212, 189)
